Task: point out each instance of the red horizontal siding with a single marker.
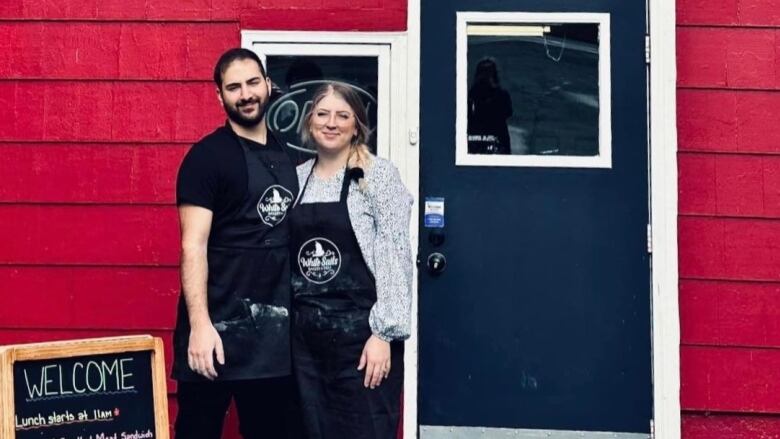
(386, 14)
(704, 11)
(706, 120)
(730, 313)
(89, 235)
(729, 188)
(99, 100)
(729, 185)
(9, 336)
(733, 57)
(734, 121)
(190, 9)
(758, 12)
(84, 173)
(20, 336)
(697, 190)
(174, 51)
(729, 12)
(387, 19)
(730, 379)
(78, 50)
(108, 111)
(120, 10)
(730, 426)
(727, 248)
(88, 297)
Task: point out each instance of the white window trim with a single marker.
(389, 48)
(663, 218)
(463, 158)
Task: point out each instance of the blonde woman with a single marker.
(351, 278)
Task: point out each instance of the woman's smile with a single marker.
(331, 134)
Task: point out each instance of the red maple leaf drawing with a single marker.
(116, 412)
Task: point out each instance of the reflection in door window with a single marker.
(533, 89)
(296, 78)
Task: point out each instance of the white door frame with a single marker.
(663, 215)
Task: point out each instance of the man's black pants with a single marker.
(267, 408)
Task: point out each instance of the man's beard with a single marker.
(234, 113)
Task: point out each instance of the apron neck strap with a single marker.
(345, 186)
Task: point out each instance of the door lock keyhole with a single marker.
(436, 263)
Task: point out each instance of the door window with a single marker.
(533, 90)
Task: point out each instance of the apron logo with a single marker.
(273, 204)
(319, 260)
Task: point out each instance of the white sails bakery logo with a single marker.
(273, 204)
(319, 260)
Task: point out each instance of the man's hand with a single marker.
(204, 339)
(376, 360)
(204, 343)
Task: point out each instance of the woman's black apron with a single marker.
(333, 292)
(249, 271)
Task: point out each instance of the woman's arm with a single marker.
(390, 317)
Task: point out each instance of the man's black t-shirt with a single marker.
(213, 175)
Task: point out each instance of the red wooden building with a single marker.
(728, 235)
(100, 99)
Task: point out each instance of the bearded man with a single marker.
(232, 339)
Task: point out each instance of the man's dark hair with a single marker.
(231, 55)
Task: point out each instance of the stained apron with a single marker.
(333, 292)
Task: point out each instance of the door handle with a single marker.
(436, 263)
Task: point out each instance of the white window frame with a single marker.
(388, 48)
(602, 160)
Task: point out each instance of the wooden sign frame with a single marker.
(76, 348)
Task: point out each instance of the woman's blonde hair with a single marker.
(360, 155)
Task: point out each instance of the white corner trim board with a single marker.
(663, 217)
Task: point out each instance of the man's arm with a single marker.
(204, 340)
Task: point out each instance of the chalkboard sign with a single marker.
(108, 388)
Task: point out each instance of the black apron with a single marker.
(333, 292)
(248, 280)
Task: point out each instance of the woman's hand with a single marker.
(376, 360)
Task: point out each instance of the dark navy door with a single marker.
(534, 296)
